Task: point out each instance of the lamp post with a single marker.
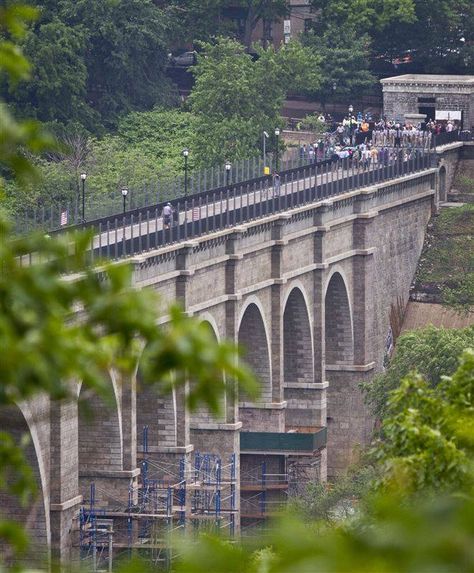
(83, 180)
(265, 137)
(228, 167)
(185, 155)
(124, 195)
(351, 109)
(277, 159)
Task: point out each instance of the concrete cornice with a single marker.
(350, 367)
(264, 405)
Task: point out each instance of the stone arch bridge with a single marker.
(307, 292)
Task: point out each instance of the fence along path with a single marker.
(125, 236)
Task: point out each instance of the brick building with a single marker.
(276, 32)
(438, 97)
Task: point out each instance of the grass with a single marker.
(448, 252)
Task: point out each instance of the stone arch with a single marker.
(100, 444)
(297, 339)
(34, 517)
(207, 318)
(253, 338)
(339, 339)
(443, 195)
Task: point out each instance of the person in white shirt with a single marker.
(167, 215)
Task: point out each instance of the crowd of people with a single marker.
(371, 141)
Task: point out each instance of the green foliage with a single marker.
(431, 30)
(428, 450)
(95, 60)
(432, 352)
(339, 500)
(235, 99)
(344, 56)
(312, 123)
(197, 20)
(16, 138)
(428, 438)
(147, 147)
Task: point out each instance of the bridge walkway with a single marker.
(129, 235)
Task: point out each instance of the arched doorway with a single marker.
(339, 340)
(33, 516)
(297, 342)
(253, 339)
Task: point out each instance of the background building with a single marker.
(438, 97)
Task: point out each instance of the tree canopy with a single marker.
(432, 352)
(236, 98)
(436, 34)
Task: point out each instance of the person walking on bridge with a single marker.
(167, 215)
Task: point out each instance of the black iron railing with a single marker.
(144, 229)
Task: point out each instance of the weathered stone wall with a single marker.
(308, 290)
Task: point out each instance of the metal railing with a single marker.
(143, 229)
(55, 216)
(51, 216)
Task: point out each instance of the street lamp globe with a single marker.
(124, 191)
(277, 131)
(83, 176)
(185, 152)
(228, 165)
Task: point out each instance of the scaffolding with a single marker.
(266, 487)
(264, 493)
(194, 494)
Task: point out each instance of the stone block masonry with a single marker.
(307, 292)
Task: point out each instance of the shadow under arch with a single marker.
(297, 340)
(34, 517)
(252, 337)
(339, 340)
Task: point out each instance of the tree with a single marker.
(57, 89)
(439, 37)
(196, 20)
(427, 442)
(363, 15)
(235, 98)
(432, 352)
(17, 137)
(436, 34)
(96, 60)
(344, 62)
